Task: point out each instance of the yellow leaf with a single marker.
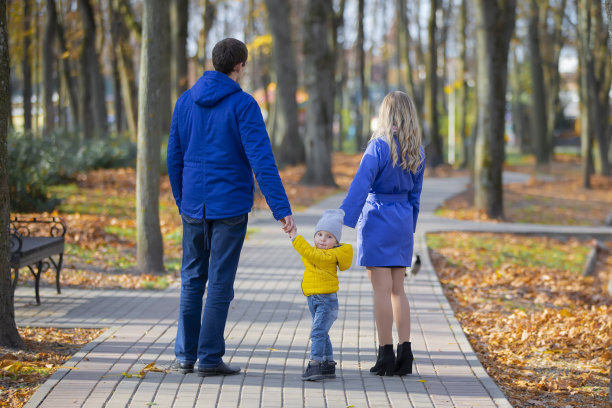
(272, 349)
(423, 381)
(126, 375)
(149, 366)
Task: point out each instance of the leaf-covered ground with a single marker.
(21, 372)
(542, 331)
(562, 201)
(99, 210)
(531, 311)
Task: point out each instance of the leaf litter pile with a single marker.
(563, 200)
(21, 372)
(541, 329)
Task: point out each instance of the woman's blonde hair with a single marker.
(397, 115)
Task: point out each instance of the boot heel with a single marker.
(386, 370)
(386, 362)
(405, 359)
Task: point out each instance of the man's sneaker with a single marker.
(313, 371)
(183, 368)
(328, 369)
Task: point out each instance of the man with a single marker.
(217, 140)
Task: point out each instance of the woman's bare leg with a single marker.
(401, 307)
(383, 310)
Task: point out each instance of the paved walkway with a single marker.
(267, 335)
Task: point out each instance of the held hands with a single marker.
(289, 226)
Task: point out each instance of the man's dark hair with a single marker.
(228, 53)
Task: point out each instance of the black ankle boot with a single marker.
(403, 363)
(385, 362)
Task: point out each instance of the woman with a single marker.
(383, 204)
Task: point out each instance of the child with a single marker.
(320, 284)
(383, 205)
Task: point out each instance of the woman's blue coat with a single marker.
(383, 203)
(217, 140)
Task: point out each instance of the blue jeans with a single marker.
(324, 312)
(211, 250)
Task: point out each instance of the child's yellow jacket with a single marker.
(320, 273)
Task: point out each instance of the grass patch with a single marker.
(526, 251)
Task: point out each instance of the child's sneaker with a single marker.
(328, 369)
(313, 371)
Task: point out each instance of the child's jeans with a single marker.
(324, 312)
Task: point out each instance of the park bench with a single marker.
(34, 244)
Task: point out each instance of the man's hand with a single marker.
(293, 233)
(288, 223)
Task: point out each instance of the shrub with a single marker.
(35, 163)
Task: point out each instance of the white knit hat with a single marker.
(331, 221)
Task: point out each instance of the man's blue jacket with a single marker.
(217, 140)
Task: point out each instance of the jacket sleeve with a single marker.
(345, 257)
(414, 197)
(312, 254)
(259, 153)
(174, 159)
(361, 185)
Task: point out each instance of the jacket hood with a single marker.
(212, 87)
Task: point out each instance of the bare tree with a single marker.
(9, 336)
(287, 142)
(595, 72)
(319, 81)
(69, 81)
(93, 95)
(542, 147)
(403, 47)
(121, 14)
(495, 24)
(360, 140)
(341, 68)
(26, 67)
(551, 42)
(49, 64)
(150, 128)
(432, 132)
(179, 17)
(208, 18)
(462, 92)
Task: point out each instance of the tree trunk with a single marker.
(26, 68)
(538, 122)
(208, 18)
(150, 128)
(359, 73)
(9, 336)
(462, 93)
(495, 23)
(93, 95)
(592, 96)
(550, 49)
(180, 19)
(319, 81)
(431, 92)
(603, 77)
(403, 45)
(67, 72)
(287, 142)
(117, 92)
(123, 51)
(48, 68)
(341, 71)
(520, 118)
